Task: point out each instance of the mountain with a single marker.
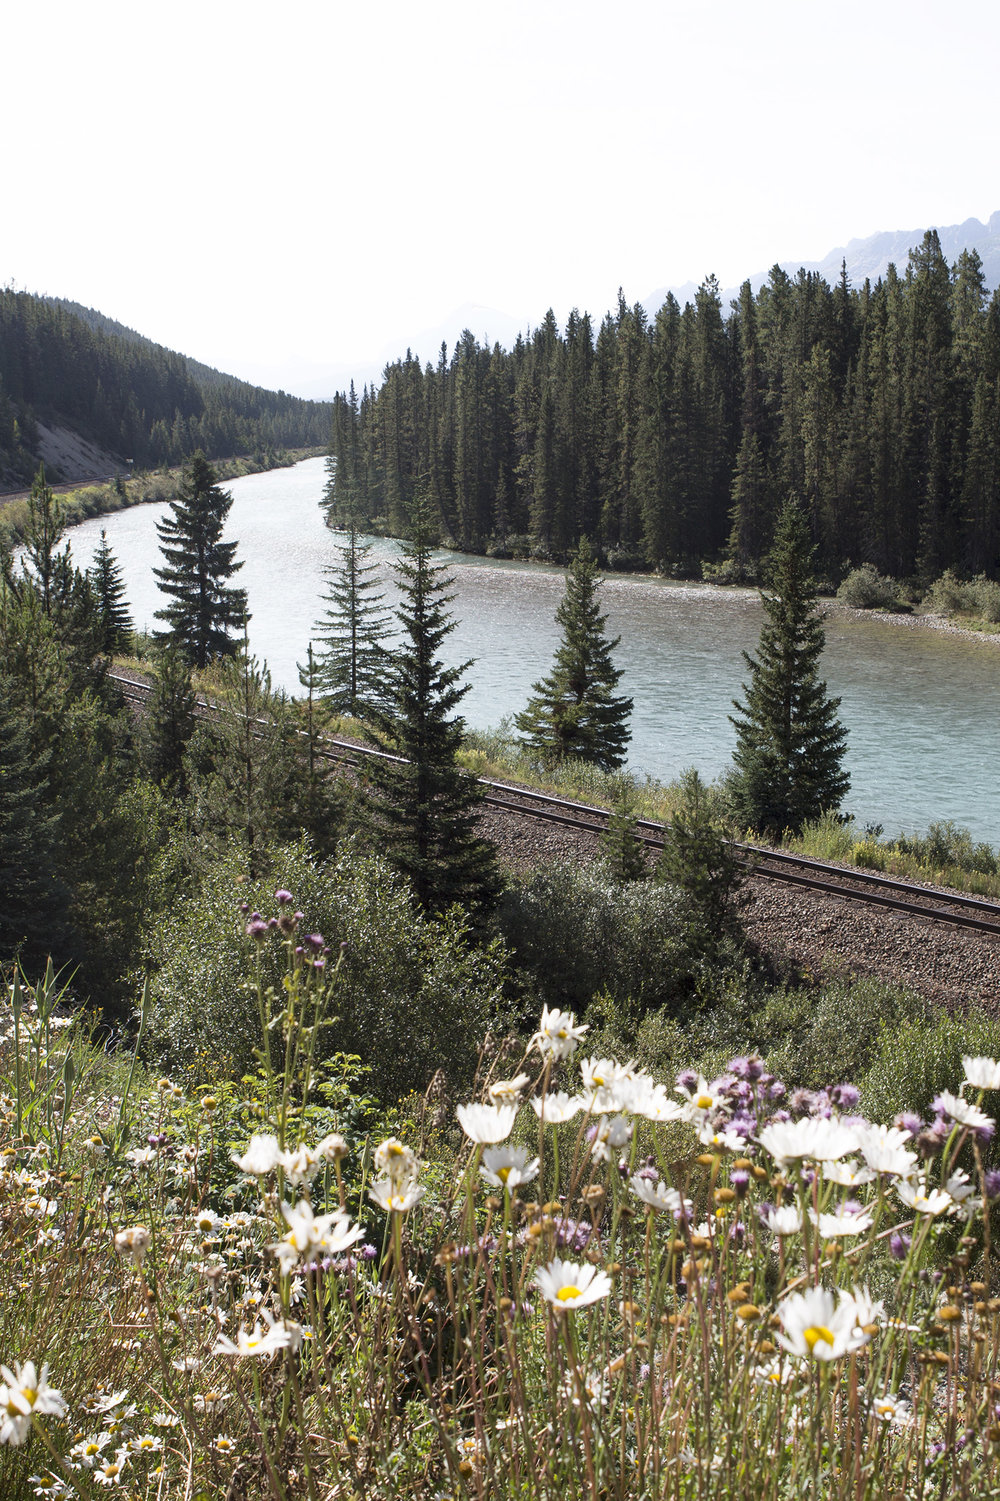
(869, 259)
(86, 394)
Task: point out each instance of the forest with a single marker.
(672, 444)
(64, 363)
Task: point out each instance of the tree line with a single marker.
(65, 363)
(673, 443)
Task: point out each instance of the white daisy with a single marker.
(508, 1167)
(660, 1197)
(885, 1151)
(962, 1111)
(786, 1220)
(260, 1158)
(981, 1073)
(395, 1197)
(557, 1107)
(508, 1091)
(486, 1123)
(558, 1034)
(835, 1226)
(847, 1174)
(814, 1137)
(572, 1284)
(921, 1200)
(816, 1327)
(25, 1392)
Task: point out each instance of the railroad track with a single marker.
(949, 907)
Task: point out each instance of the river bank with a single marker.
(87, 499)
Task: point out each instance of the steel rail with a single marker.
(778, 865)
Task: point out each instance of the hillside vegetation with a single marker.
(66, 366)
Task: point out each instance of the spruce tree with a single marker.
(203, 609)
(109, 594)
(423, 806)
(169, 722)
(353, 670)
(46, 525)
(789, 743)
(575, 710)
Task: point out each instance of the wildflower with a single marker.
(141, 1156)
(134, 1242)
(88, 1451)
(558, 1035)
(701, 1097)
(557, 1107)
(847, 1174)
(659, 1197)
(884, 1150)
(486, 1123)
(571, 1284)
(604, 1083)
(308, 1234)
(508, 1091)
(833, 1226)
(395, 1161)
(981, 1073)
(818, 1328)
(49, 1485)
(332, 1148)
(725, 1140)
(894, 1410)
(589, 1389)
(922, 1200)
(396, 1197)
(223, 1444)
(814, 1137)
(508, 1167)
(206, 1220)
(260, 1158)
(899, 1245)
(784, 1221)
(24, 1393)
(110, 1471)
(299, 1166)
(146, 1443)
(962, 1111)
(640, 1096)
(260, 1341)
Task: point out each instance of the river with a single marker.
(922, 707)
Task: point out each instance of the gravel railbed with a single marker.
(810, 933)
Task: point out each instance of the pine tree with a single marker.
(621, 845)
(789, 742)
(353, 671)
(169, 722)
(423, 806)
(109, 594)
(575, 711)
(698, 859)
(202, 609)
(46, 525)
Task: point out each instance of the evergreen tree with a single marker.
(789, 742)
(318, 799)
(620, 843)
(575, 711)
(423, 806)
(698, 859)
(202, 609)
(353, 671)
(109, 594)
(32, 899)
(169, 722)
(46, 525)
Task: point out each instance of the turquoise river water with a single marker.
(922, 707)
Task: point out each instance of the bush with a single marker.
(950, 595)
(579, 932)
(838, 1034)
(948, 844)
(414, 995)
(865, 588)
(916, 1060)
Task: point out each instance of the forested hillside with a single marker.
(672, 443)
(69, 365)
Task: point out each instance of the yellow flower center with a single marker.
(814, 1334)
(14, 1411)
(704, 1102)
(30, 1393)
(503, 1173)
(566, 1294)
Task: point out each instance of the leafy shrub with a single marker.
(829, 837)
(950, 595)
(865, 588)
(916, 1060)
(949, 844)
(413, 996)
(838, 1034)
(578, 932)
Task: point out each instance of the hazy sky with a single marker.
(262, 186)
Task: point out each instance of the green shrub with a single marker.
(865, 588)
(838, 1034)
(828, 837)
(914, 1061)
(980, 596)
(578, 932)
(949, 844)
(414, 995)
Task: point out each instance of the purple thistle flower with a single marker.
(776, 1091)
(687, 1079)
(283, 898)
(899, 1245)
(906, 1120)
(991, 1183)
(845, 1096)
(740, 1179)
(257, 929)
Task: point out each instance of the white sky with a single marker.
(264, 186)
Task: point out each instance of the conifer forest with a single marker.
(673, 443)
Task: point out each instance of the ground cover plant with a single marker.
(581, 1282)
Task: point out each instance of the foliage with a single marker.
(354, 669)
(169, 722)
(575, 711)
(577, 932)
(698, 859)
(622, 848)
(787, 765)
(115, 623)
(203, 608)
(978, 597)
(423, 806)
(919, 1057)
(413, 994)
(865, 588)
